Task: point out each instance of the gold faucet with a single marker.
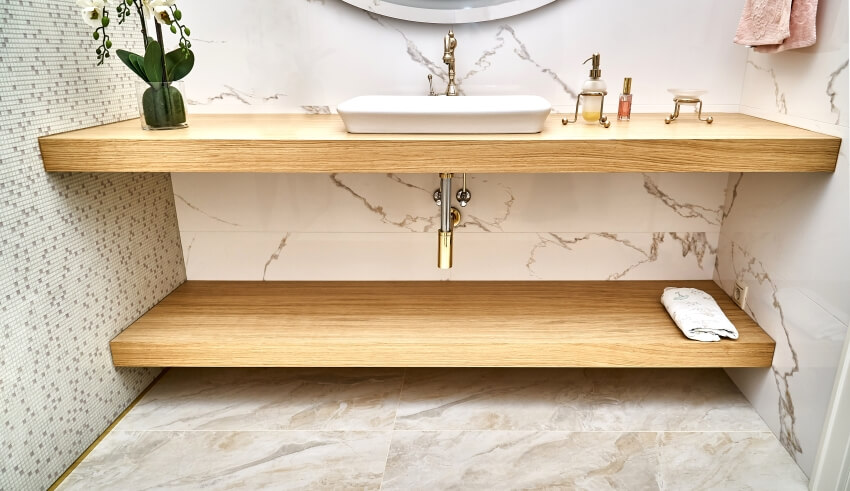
(449, 45)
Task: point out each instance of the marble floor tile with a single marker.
(727, 461)
(331, 428)
(254, 399)
(574, 400)
(472, 460)
(131, 460)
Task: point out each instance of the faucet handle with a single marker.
(463, 197)
(431, 85)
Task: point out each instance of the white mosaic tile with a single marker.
(81, 255)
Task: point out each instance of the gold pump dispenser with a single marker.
(595, 71)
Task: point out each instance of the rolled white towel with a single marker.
(697, 314)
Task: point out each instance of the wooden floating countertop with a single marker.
(319, 143)
(435, 324)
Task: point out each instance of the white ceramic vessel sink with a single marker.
(441, 114)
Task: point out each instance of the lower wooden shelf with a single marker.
(451, 324)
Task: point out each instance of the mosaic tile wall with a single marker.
(81, 256)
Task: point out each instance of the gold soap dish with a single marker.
(603, 120)
(687, 96)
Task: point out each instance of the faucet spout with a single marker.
(445, 239)
(449, 45)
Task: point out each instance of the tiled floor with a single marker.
(435, 429)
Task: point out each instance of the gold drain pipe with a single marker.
(445, 237)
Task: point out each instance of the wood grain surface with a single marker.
(320, 144)
(437, 324)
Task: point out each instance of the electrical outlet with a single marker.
(739, 294)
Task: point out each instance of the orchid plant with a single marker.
(162, 103)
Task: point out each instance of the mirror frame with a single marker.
(448, 16)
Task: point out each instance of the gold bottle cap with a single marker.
(627, 85)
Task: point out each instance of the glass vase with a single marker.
(161, 105)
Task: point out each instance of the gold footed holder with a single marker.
(603, 120)
(687, 100)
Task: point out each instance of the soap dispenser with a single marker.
(591, 109)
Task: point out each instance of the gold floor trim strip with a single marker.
(108, 429)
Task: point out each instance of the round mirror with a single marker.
(448, 11)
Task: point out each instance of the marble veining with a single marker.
(832, 93)
(522, 52)
(732, 195)
(409, 222)
(416, 55)
(274, 257)
(687, 210)
(781, 105)
(694, 244)
(244, 97)
(317, 109)
(199, 210)
(746, 266)
(495, 223)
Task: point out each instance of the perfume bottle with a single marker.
(624, 111)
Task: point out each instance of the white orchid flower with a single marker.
(161, 10)
(146, 9)
(93, 10)
(93, 16)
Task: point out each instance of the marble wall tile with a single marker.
(252, 399)
(404, 203)
(306, 67)
(319, 257)
(809, 83)
(574, 400)
(788, 236)
(477, 256)
(247, 460)
(309, 65)
(351, 226)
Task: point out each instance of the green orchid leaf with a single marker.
(125, 56)
(153, 63)
(139, 63)
(178, 64)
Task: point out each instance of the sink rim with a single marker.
(415, 105)
(418, 114)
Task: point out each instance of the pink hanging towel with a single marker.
(803, 30)
(764, 22)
